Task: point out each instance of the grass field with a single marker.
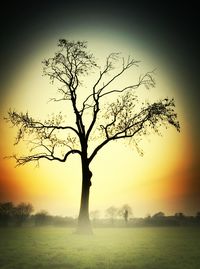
(125, 248)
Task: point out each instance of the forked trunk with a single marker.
(84, 225)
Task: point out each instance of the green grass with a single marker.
(128, 248)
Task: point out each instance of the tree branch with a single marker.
(28, 124)
(146, 80)
(98, 148)
(37, 157)
(125, 125)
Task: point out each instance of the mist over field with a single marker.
(120, 248)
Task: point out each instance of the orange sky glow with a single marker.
(158, 181)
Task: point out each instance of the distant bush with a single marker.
(42, 218)
(22, 212)
(6, 213)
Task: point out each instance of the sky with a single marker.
(164, 37)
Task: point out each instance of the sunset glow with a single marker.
(152, 183)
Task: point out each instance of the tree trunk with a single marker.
(84, 225)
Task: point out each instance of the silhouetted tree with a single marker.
(158, 215)
(112, 213)
(95, 118)
(125, 211)
(42, 218)
(6, 213)
(22, 212)
(179, 215)
(158, 219)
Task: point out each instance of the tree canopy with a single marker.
(121, 118)
(108, 112)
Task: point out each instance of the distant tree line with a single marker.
(160, 219)
(11, 214)
(123, 217)
(22, 214)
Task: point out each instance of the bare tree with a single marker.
(122, 118)
(22, 212)
(125, 211)
(112, 212)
